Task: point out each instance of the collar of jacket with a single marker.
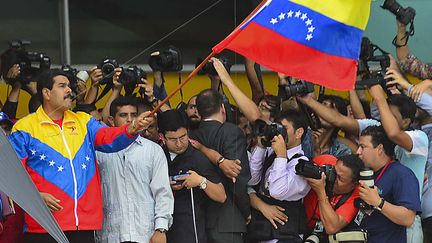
(68, 117)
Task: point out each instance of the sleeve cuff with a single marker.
(161, 223)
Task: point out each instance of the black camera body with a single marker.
(268, 131)
(107, 66)
(31, 63)
(208, 68)
(167, 61)
(130, 77)
(404, 15)
(71, 74)
(310, 170)
(300, 88)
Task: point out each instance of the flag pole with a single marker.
(189, 77)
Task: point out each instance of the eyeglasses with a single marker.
(181, 139)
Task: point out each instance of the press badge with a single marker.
(319, 227)
(359, 217)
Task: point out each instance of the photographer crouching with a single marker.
(330, 204)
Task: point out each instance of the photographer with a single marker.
(279, 189)
(395, 195)
(329, 214)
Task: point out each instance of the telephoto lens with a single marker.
(366, 177)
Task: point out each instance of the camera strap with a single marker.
(382, 171)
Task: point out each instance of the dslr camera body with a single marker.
(107, 66)
(300, 88)
(404, 15)
(310, 170)
(31, 63)
(267, 131)
(167, 61)
(74, 75)
(208, 68)
(130, 77)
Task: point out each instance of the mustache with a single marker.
(71, 96)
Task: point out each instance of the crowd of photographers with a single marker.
(295, 167)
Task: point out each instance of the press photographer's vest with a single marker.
(261, 229)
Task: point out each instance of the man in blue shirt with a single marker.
(395, 195)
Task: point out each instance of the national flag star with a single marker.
(60, 168)
(273, 21)
(281, 16)
(311, 29)
(308, 22)
(304, 16)
(51, 163)
(297, 14)
(33, 151)
(87, 158)
(42, 157)
(290, 14)
(309, 37)
(84, 166)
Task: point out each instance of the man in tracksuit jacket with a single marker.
(57, 148)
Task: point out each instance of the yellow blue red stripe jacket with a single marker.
(62, 162)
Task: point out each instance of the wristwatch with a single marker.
(381, 205)
(203, 184)
(161, 230)
(220, 160)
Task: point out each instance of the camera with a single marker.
(268, 131)
(167, 61)
(367, 177)
(74, 75)
(371, 66)
(208, 68)
(130, 77)
(31, 63)
(404, 15)
(300, 88)
(107, 66)
(310, 170)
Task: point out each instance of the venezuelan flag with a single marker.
(315, 40)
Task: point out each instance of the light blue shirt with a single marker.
(137, 197)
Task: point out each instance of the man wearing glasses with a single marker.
(194, 180)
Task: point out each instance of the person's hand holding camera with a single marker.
(147, 88)
(95, 75)
(318, 185)
(369, 195)
(221, 70)
(14, 71)
(396, 78)
(116, 78)
(279, 146)
(81, 91)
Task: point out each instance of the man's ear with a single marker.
(110, 121)
(380, 148)
(406, 122)
(299, 133)
(46, 94)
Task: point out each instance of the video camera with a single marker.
(167, 61)
(368, 63)
(31, 63)
(267, 131)
(208, 68)
(310, 170)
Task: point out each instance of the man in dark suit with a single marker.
(226, 222)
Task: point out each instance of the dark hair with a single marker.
(337, 102)
(405, 105)
(208, 102)
(8, 58)
(296, 118)
(172, 120)
(34, 103)
(354, 163)
(143, 105)
(120, 102)
(46, 80)
(379, 136)
(87, 108)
